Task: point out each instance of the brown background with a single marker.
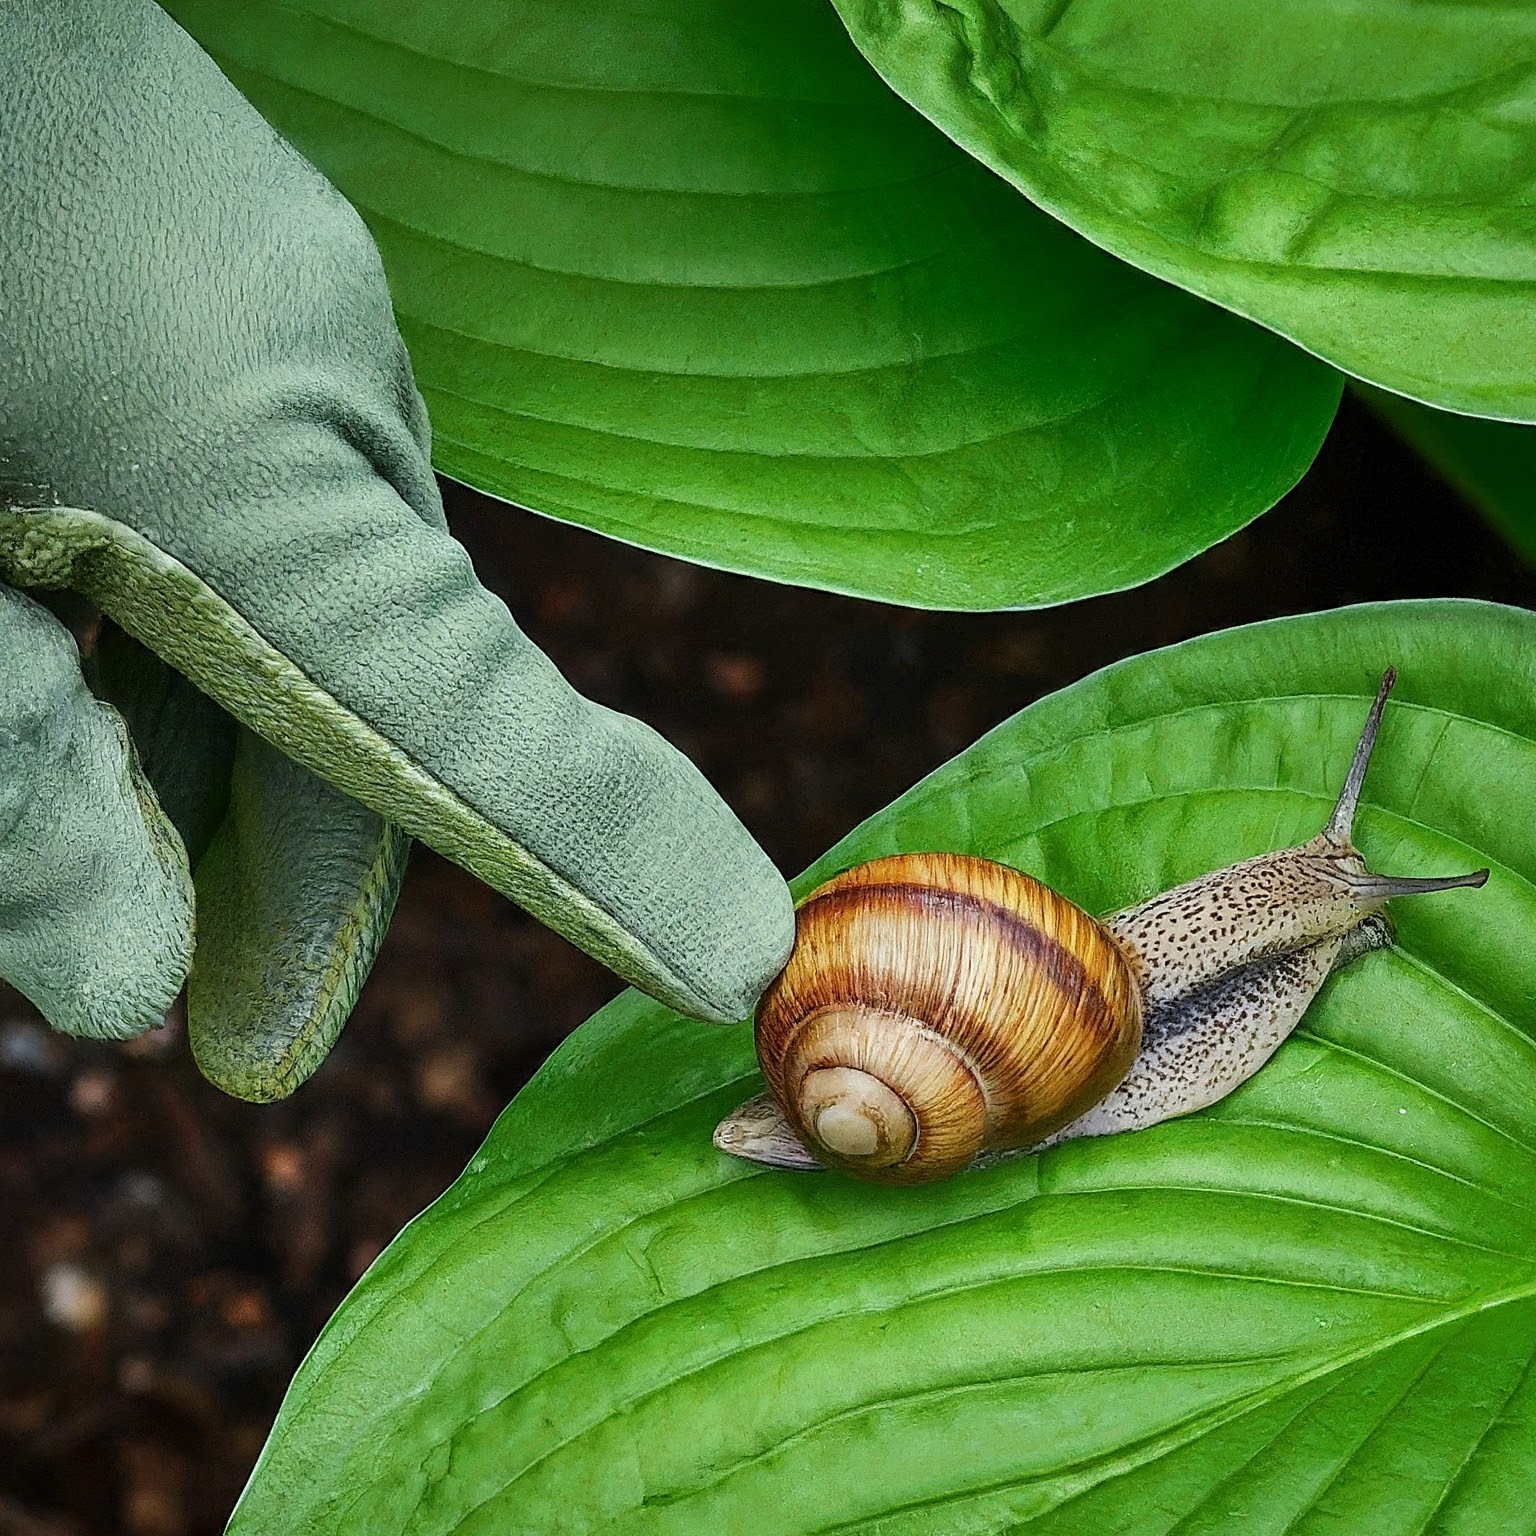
(166, 1254)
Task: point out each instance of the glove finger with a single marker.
(403, 682)
(185, 742)
(95, 899)
(294, 896)
(208, 358)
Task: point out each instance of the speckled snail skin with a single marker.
(940, 1010)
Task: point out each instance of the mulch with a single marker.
(167, 1254)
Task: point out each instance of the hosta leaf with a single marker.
(691, 275)
(1313, 1307)
(1357, 175)
(1492, 463)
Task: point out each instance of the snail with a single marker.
(940, 1011)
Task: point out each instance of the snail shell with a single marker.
(937, 1005)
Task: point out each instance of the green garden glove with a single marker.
(208, 428)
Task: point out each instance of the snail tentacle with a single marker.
(1275, 904)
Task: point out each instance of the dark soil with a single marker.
(169, 1253)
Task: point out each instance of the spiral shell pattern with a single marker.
(937, 1004)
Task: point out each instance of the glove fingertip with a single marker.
(110, 944)
(750, 948)
(110, 1002)
(295, 894)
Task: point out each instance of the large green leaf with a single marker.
(688, 273)
(1354, 173)
(1492, 463)
(1315, 1304)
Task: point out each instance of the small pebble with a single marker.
(141, 1190)
(92, 1092)
(31, 1048)
(736, 677)
(282, 1162)
(73, 1298)
(245, 1310)
(136, 1375)
(447, 1076)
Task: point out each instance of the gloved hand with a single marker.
(208, 428)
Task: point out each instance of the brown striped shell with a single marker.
(936, 1005)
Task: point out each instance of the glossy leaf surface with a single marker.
(1357, 176)
(691, 275)
(1312, 1308)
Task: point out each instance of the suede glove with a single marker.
(208, 429)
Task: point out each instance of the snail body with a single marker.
(939, 1010)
